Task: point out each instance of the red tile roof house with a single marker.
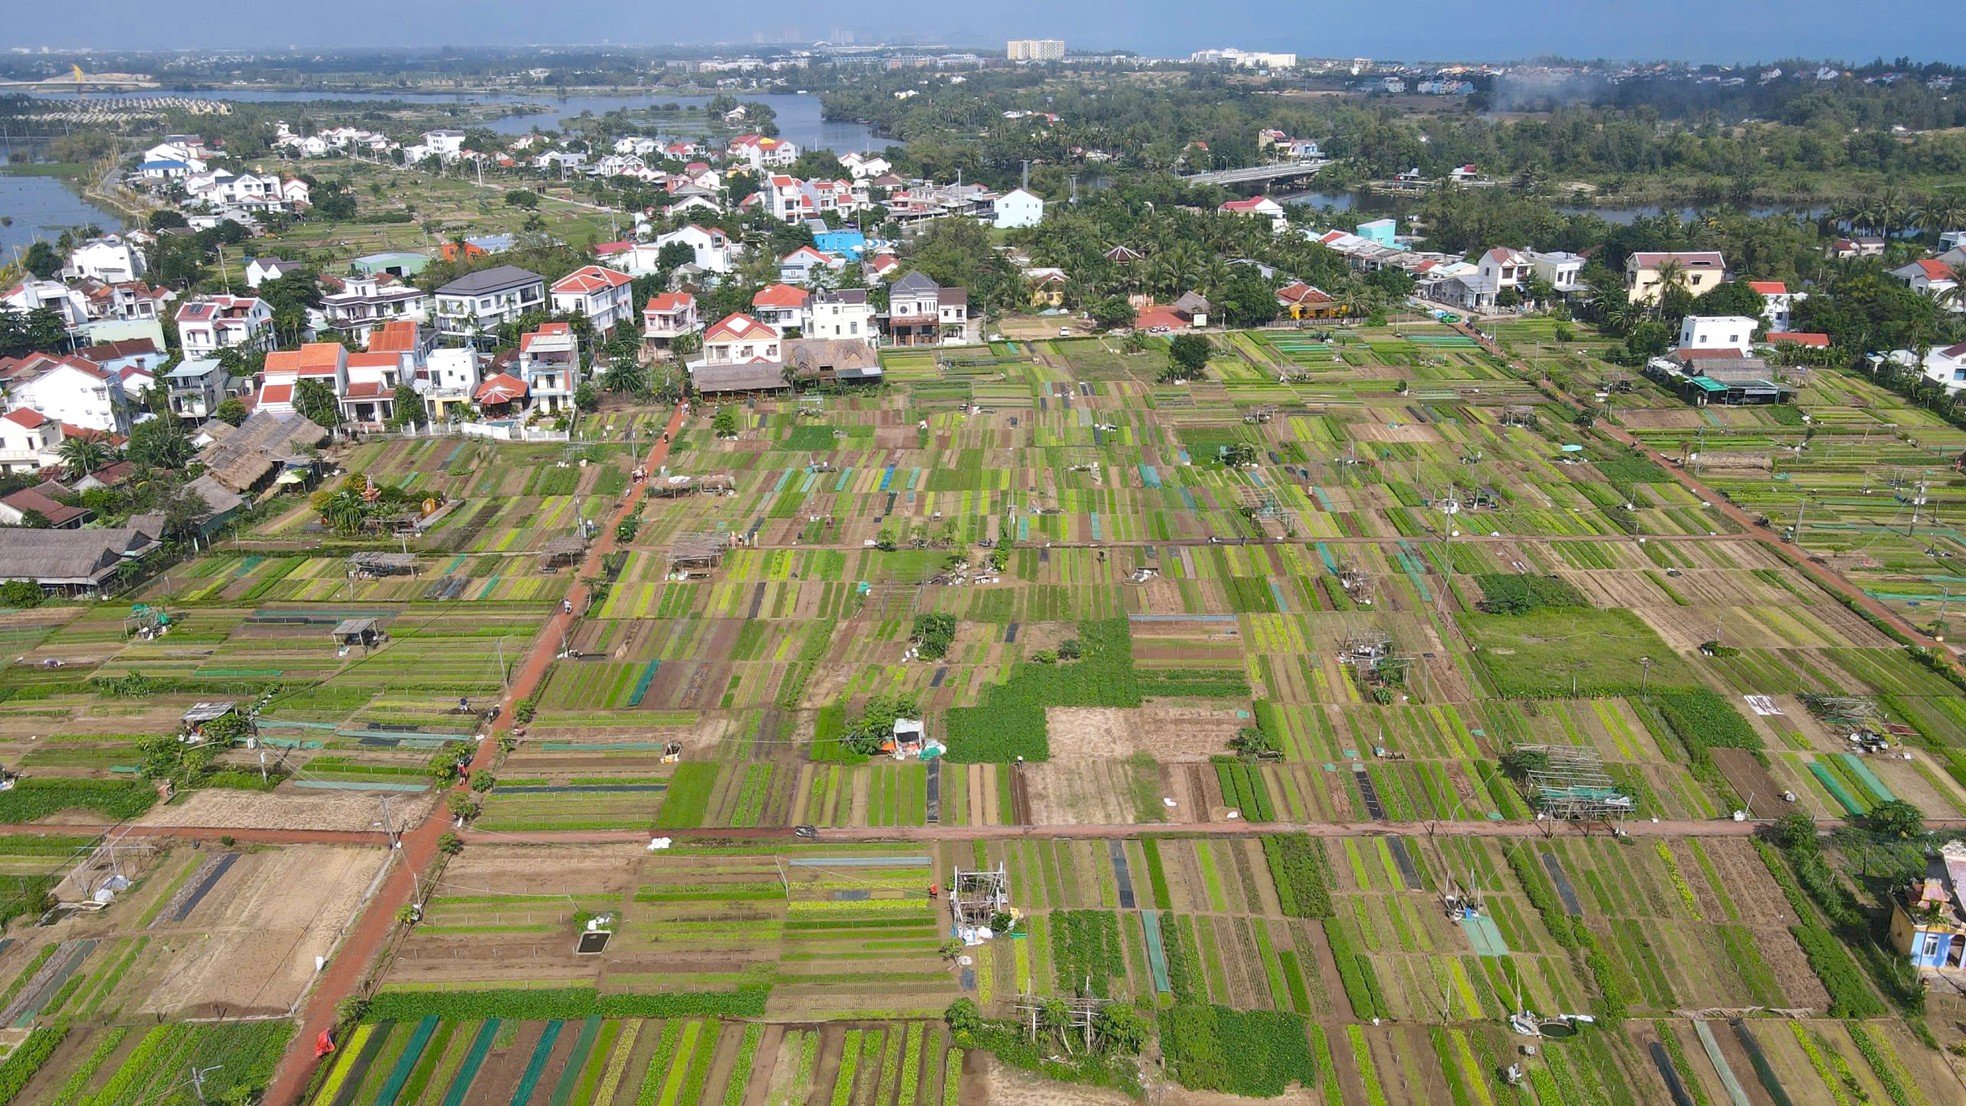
(72, 389)
(29, 441)
(549, 363)
(605, 296)
(668, 317)
(781, 305)
(39, 499)
(326, 362)
(1929, 277)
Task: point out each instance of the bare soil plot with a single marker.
(287, 809)
(1168, 731)
(249, 947)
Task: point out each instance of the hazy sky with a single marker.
(1691, 30)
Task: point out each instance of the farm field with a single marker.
(1275, 757)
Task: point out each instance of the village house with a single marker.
(1947, 368)
(111, 259)
(1718, 332)
(1047, 287)
(1018, 209)
(605, 296)
(799, 266)
(212, 323)
(449, 380)
(781, 306)
(740, 354)
(29, 441)
(259, 270)
(325, 363)
(1302, 301)
(713, 249)
(1930, 277)
(71, 562)
(1928, 918)
(668, 316)
(759, 152)
(832, 361)
(194, 389)
(841, 315)
(140, 354)
(1843, 249)
(128, 301)
(922, 313)
(67, 388)
(1261, 207)
(480, 302)
(1778, 303)
(367, 302)
(71, 306)
(1561, 271)
(1697, 271)
(549, 364)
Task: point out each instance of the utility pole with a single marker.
(1917, 501)
(1645, 675)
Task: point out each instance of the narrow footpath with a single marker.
(350, 964)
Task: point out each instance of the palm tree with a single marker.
(344, 510)
(1672, 274)
(82, 456)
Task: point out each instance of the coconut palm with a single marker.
(344, 511)
(1672, 274)
(82, 456)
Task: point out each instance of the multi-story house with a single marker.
(370, 398)
(605, 296)
(782, 306)
(1561, 271)
(69, 389)
(29, 441)
(287, 369)
(33, 295)
(1928, 919)
(844, 314)
(212, 323)
(549, 363)
(799, 266)
(1697, 271)
(668, 317)
(368, 302)
(923, 313)
(111, 259)
(450, 377)
(759, 152)
(196, 388)
(739, 340)
(478, 303)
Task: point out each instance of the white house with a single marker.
(1259, 206)
(1778, 303)
(549, 363)
(322, 362)
(111, 259)
(605, 296)
(450, 377)
(259, 270)
(1930, 277)
(668, 317)
(759, 152)
(29, 441)
(740, 339)
(1559, 270)
(1503, 268)
(1947, 367)
(68, 389)
(713, 248)
(1017, 209)
(1723, 332)
(782, 306)
(864, 166)
(32, 295)
(799, 266)
(476, 303)
(366, 302)
(212, 323)
(370, 397)
(842, 314)
(196, 388)
(446, 144)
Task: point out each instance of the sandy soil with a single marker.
(288, 810)
(249, 947)
(1170, 732)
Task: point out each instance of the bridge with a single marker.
(1259, 173)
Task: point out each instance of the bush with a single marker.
(1254, 1053)
(1513, 593)
(933, 635)
(23, 595)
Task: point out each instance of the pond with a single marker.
(42, 207)
(798, 116)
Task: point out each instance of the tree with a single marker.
(315, 402)
(625, 375)
(1895, 819)
(963, 1016)
(231, 411)
(1187, 357)
(407, 408)
(724, 422)
(585, 398)
(21, 595)
(42, 260)
(344, 510)
(81, 456)
(158, 443)
(1237, 455)
(522, 198)
(1794, 831)
(1519, 762)
(1119, 1027)
(1109, 312)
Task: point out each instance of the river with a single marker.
(798, 116)
(42, 207)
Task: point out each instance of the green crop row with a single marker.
(1085, 946)
(1301, 872)
(26, 1059)
(1008, 720)
(1243, 790)
(1355, 973)
(31, 800)
(687, 801)
(565, 1004)
(1255, 1053)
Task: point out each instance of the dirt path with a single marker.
(347, 973)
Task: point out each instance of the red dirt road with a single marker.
(351, 964)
